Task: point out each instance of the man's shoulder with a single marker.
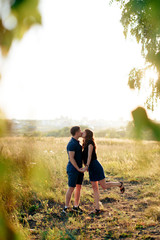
(71, 144)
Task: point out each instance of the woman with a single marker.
(96, 172)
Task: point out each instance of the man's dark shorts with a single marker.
(74, 177)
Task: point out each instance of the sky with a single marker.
(76, 64)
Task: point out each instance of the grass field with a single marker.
(33, 183)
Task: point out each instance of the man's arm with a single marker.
(72, 160)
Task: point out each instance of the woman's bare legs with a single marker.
(96, 193)
(106, 185)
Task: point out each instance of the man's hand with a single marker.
(83, 169)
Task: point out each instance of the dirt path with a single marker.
(123, 217)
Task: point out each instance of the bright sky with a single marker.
(76, 65)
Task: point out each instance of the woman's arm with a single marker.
(90, 150)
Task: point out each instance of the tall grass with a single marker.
(34, 169)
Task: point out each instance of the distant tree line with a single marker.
(63, 132)
(127, 132)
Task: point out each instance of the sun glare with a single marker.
(76, 65)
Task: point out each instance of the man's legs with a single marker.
(68, 196)
(77, 195)
(78, 189)
(75, 180)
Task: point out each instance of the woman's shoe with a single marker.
(95, 212)
(122, 188)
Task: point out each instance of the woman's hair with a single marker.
(89, 136)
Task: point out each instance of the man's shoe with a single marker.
(77, 210)
(65, 210)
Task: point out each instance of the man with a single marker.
(74, 171)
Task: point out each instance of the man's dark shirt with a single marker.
(75, 146)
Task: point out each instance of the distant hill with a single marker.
(22, 126)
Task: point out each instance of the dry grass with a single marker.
(34, 181)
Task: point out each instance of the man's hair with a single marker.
(74, 130)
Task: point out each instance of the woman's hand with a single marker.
(86, 166)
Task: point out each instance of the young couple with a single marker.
(86, 154)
